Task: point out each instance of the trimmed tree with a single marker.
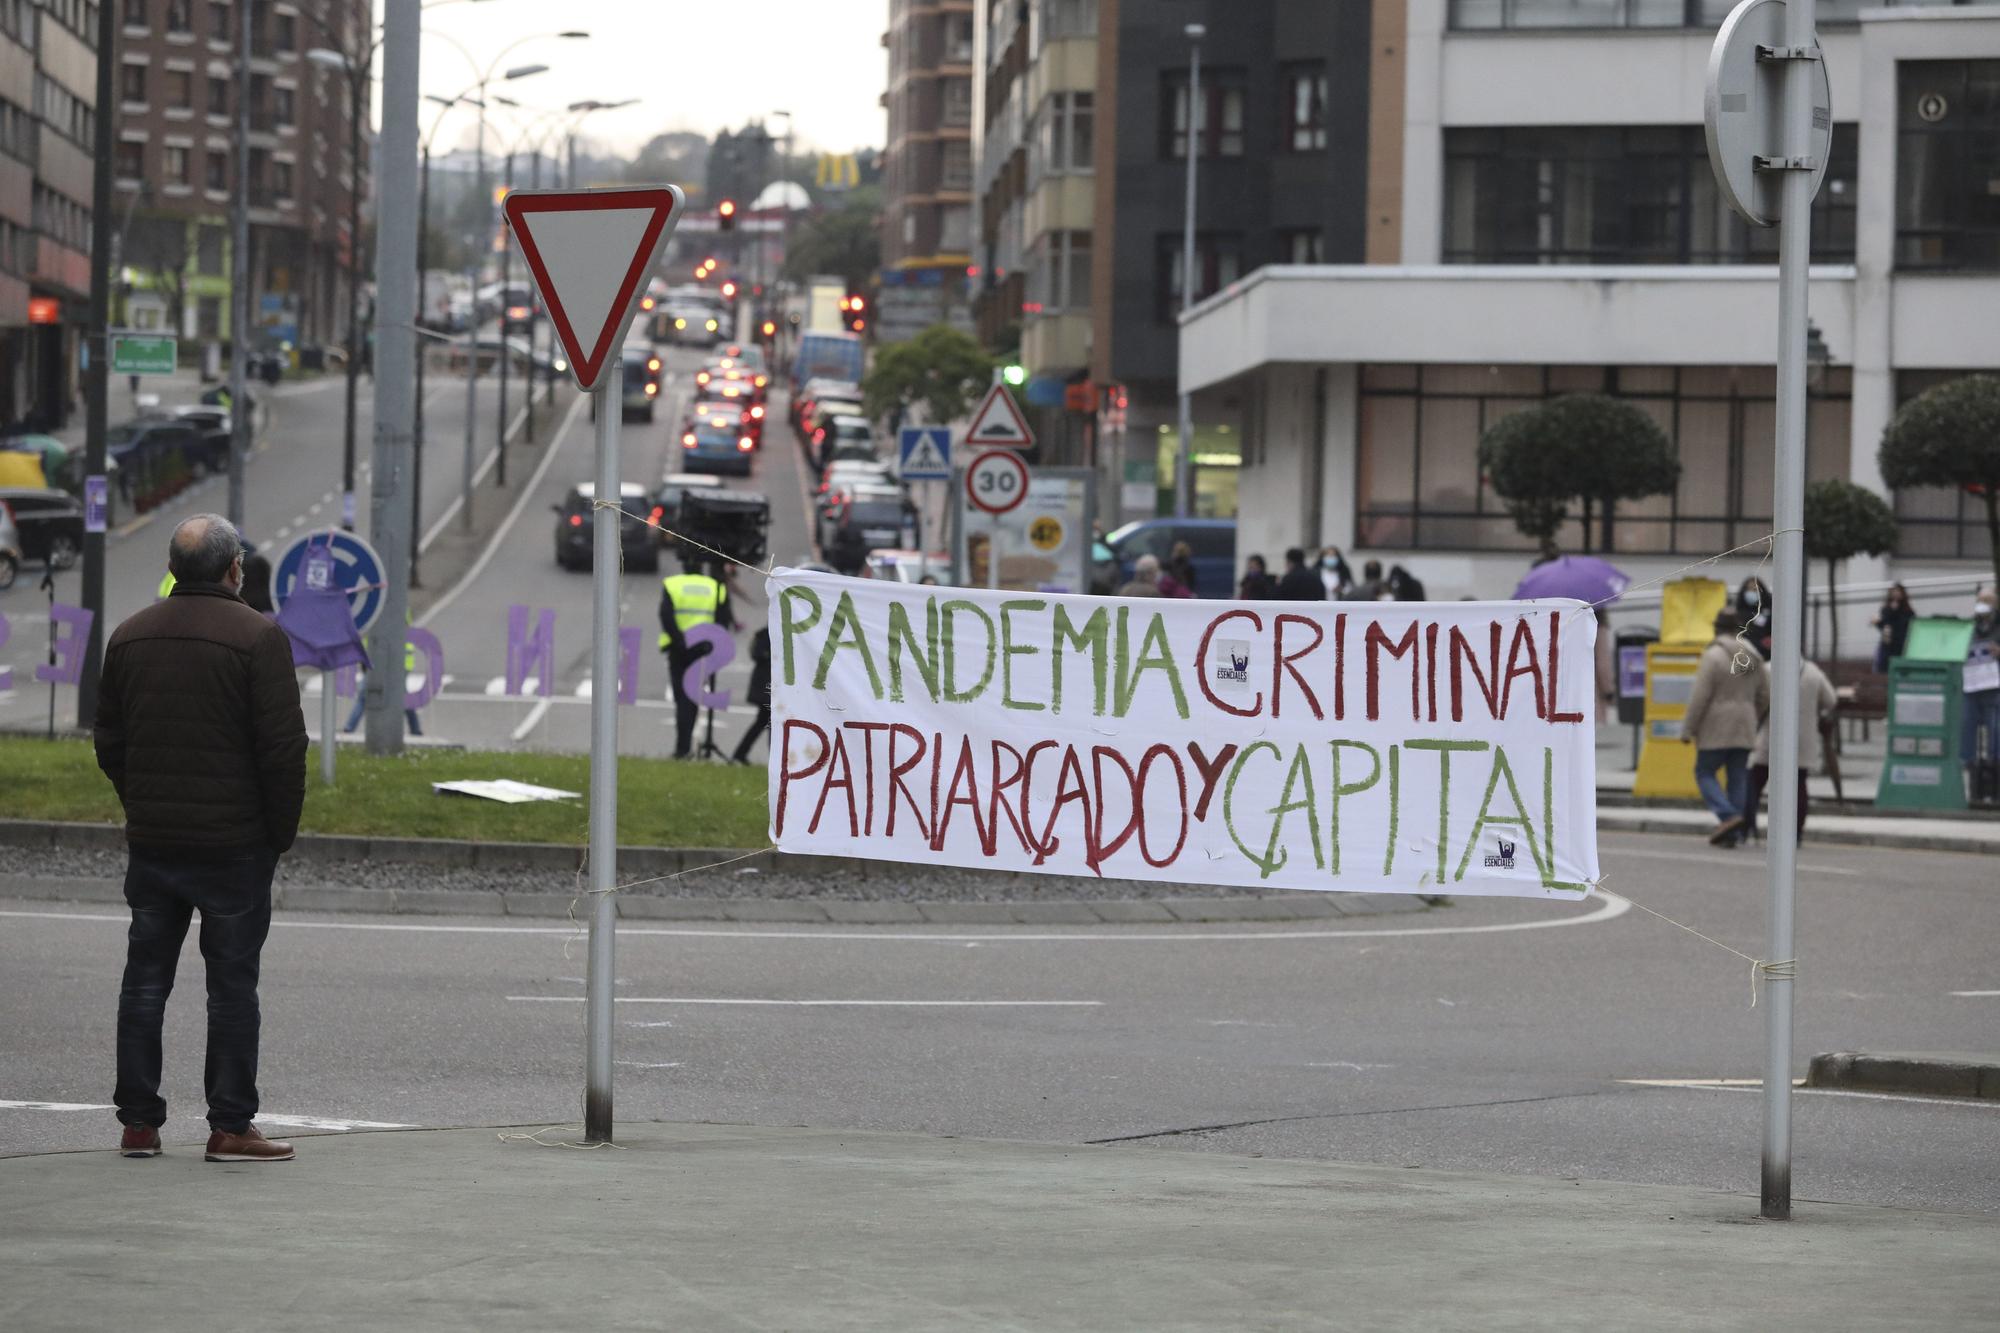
(1587, 447)
(1844, 520)
(941, 368)
(1949, 435)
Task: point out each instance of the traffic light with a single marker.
(770, 329)
(729, 290)
(855, 307)
(725, 215)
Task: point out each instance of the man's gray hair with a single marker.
(1146, 569)
(203, 548)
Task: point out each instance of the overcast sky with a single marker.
(695, 66)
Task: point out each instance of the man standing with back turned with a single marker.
(199, 729)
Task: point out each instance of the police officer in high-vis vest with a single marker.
(686, 600)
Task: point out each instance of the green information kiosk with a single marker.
(1921, 770)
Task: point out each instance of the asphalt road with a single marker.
(292, 485)
(1494, 1035)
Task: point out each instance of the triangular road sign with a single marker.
(998, 423)
(591, 252)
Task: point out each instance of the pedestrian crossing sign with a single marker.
(925, 452)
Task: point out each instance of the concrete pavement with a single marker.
(700, 1226)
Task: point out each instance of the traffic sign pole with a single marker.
(329, 712)
(603, 760)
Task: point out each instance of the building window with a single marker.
(1059, 274)
(955, 171)
(132, 83)
(1948, 164)
(131, 160)
(284, 102)
(180, 89)
(958, 39)
(135, 13)
(1063, 139)
(1304, 87)
(1301, 246)
(1489, 14)
(218, 95)
(1612, 195)
(1218, 127)
(180, 15)
(957, 102)
(174, 165)
(218, 170)
(281, 179)
(218, 21)
(208, 317)
(1419, 483)
(1218, 261)
(285, 32)
(208, 247)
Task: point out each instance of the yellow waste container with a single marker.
(1687, 625)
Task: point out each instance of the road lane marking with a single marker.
(54, 1106)
(826, 1004)
(532, 720)
(1612, 908)
(1975, 994)
(1646, 854)
(337, 1124)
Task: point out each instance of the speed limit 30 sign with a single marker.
(996, 481)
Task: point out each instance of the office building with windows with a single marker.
(1542, 220)
(48, 92)
(176, 166)
(927, 231)
(1280, 130)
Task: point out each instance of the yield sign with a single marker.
(591, 252)
(998, 423)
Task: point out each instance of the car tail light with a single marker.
(652, 389)
(701, 378)
(659, 512)
(757, 412)
(819, 436)
(746, 444)
(576, 520)
(653, 364)
(761, 381)
(645, 303)
(688, 439)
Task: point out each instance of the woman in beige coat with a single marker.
(1816, 704)
(1732, 693)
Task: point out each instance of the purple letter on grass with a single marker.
(68, 666)
(629, 641)
(531, 653)
(719, 656)
(426, 643)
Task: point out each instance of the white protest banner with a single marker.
(1405, 747)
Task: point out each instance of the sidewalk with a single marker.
(716, 1226)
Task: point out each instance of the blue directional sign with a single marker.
(925, 452)
(355, 565)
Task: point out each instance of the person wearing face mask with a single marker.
(1334, 573)
(1979, 742)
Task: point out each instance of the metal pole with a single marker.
(391, 522)
(534, 324)
(422, 357)
(1788, 491)
(472, 335)
(1184, 464)
(97, 375)
(506, 352)
(357, 80)
(328, 715)
(239, 280)
(603, 763)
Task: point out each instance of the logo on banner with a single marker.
(1232, 667)
(1505, 859)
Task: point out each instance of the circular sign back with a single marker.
(1744, 111)
(996, 481)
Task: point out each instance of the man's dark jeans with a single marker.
(233, 896)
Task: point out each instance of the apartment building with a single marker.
(178, 78)
(927, 231)
(1545, 221)
(1037, 165)
(48, 89)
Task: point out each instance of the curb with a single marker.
(1921, 1073)
(1687, 823)
(1250, 909)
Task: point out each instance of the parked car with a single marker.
(156, 456)
(48, 524)
(716, 443)
(10, 549)
(1212, 541)
(574, 528)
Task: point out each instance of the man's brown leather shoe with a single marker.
(139, 1141)
(249, 1146)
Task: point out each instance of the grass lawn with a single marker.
(660, 802)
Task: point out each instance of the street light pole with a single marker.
(240, 410)
(97, 376)
(506, 350)
(479, 241)
(1184, 464)
(357, 78)
(423, 356)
